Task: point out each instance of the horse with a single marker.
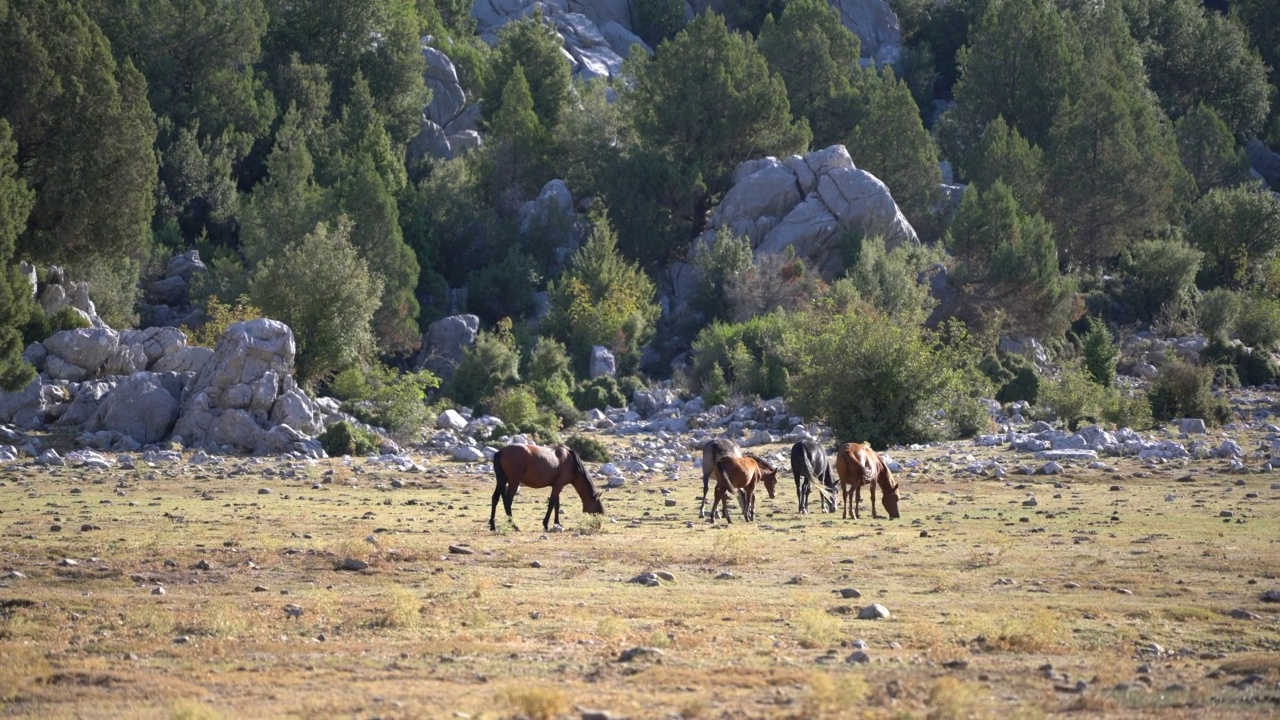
(742, 473)
(712, 451)
(859, 465)
(809, 463)
(539, 467)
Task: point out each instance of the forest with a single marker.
(1098, 183)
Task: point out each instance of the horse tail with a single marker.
(500, 472)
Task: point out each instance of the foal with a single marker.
(711, 454)
(742, 474)
(859, 465)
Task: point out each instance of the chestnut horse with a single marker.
(539, 467)
(859, 465)
(809, 465)
(742, 473)
(711, 454)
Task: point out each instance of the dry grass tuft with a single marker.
(815, 628)
(952, 699)
(1261, 664)
(834, 696)
(405, 611)
(536, 702)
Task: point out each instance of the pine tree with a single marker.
(517, 162)
(819, 80)
(891, 143)
(284, 208)
(1238, 229)
(1003, 153)
(1208, 149)
(16, 200)
(535, 46)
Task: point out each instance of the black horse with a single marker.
(809, 463)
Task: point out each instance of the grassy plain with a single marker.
(998, 608)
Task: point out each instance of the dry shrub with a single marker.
(833, 696)
(405, 611)
(20, 668)
(815, 628)
(951, 699)
(1042, 632)
(536, 702)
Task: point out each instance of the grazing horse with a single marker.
(539, 467)
(742, 474)
(711, 454)
(809, 463)
(859, 465)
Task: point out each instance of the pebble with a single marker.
(849, 593)
(641, 652)
(264, 491)
(68, 562)
(535, 564)
(669, 502)
(157, 591)
(858, 657)
(462, 549)
(726, 575)
(353, 564)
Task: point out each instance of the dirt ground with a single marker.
(218, 590)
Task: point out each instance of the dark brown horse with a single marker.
(742, 474)
(859, 465)
(539, 467)
(711, 454)
(809, 465)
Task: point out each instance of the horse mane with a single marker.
(579, 467)
(762, 462)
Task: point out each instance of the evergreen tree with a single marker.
(518, 161)
(1007, 262)
(1208, 149)
(657, 20)
(1196, 55)
(891, 143)
(84, 133)
(285, 207)
(1003, 153)
(1022, 61)
(16, 200)
(706, 103)
(1114, 171)
(819, 80)
(749, 16)
(602, 299)
(534, 45)
(324, 292)
(1238, 229)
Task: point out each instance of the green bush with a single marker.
(1247, 366)
(1131, 411)
(1014, 377)
(1258, 324)
(1159, 273)
(492, 363)
(1185, 390)
(518, 408)
(383, 396)
(750, 355)
(343, 438)
(630, 385)
(1216, 312)
(41, 325)
(599, 394)
(588, 449)
(968, 416)
(1100, 353)
(715, 389)
(1074, 396)
(871, 380)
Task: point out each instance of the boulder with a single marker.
(876, 25)
(554, 201)
(602, 12)
(85, 404)
(296, 410)
(451, 420)
(34, 405)
(430, 142)
(585, 48)
(602, 362)
(1264, 160)
(143, 406)
(447, 97)
(621, 39)
(81, 353)
(187, 359)
(446, 343)
(808, 203)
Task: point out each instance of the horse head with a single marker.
(591, 502)
(769, 474)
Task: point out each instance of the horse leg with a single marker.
(702, 508)
(506, 503)
(493, 508)
(874, 514)
(857, 500)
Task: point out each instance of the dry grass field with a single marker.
(204, 591)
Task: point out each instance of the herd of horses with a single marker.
(856, 465)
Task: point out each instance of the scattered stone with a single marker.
(1271, 596)
(260, 588)
(664, 575)
(849, 593)
(641, 653)
(957, 664)
(157, 590)
(595, 715)
(461, 550)
(264, 491)
(1072, 586)
(68, 562)
(203, 565)
(292, 611)
(858, 657)
(352, 564)
(182, 640)
(726, 575)
(1241, 614)
(874, 612)
(535, 565)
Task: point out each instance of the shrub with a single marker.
(630, 385)
(343, 438)
(386, 397)
(1216, 312)
(1185, 390)
(42, 325)
(968, 416)
(518, 408)
(588, 449)
(598, 394)
(219, 316)
(715, 389)
(1131, 411)
(1159, 272)
(1258, 324)
(113, 285)
(750, 355)
(871, 380)
(490, 364)
(1100, 353)
(1246, 365)
(1074, 396)
(718, 262)
(1014, 377)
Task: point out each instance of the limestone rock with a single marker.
(143, 406)
(447, 97)
(446, 343)
(876, 25)
(602, 362)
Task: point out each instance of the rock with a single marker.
(641, 653)
(81, 353)
(553, 204)
(447, 96)
(849, 593)
(352, 564)
(1066, 455)
(1265, 161)
(463, 453)
(461, 550)
(1240, 614)
(143, 406)
(431, 142)
(602, 362)
(1050, 468)
(876, 26)
(446, 343)
(807, 202)
(1028, 347)
(1271, 596)
(874, 612)
(585, 49)
(858, 657)
(1191, 426)
(451, 420)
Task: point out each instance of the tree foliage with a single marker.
(1208, 149)
(534, 46)
(1238, 230)
(16, 305)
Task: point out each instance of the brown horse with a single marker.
(858, 465)
(742, 474)
(539, 467)
(711, 454)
